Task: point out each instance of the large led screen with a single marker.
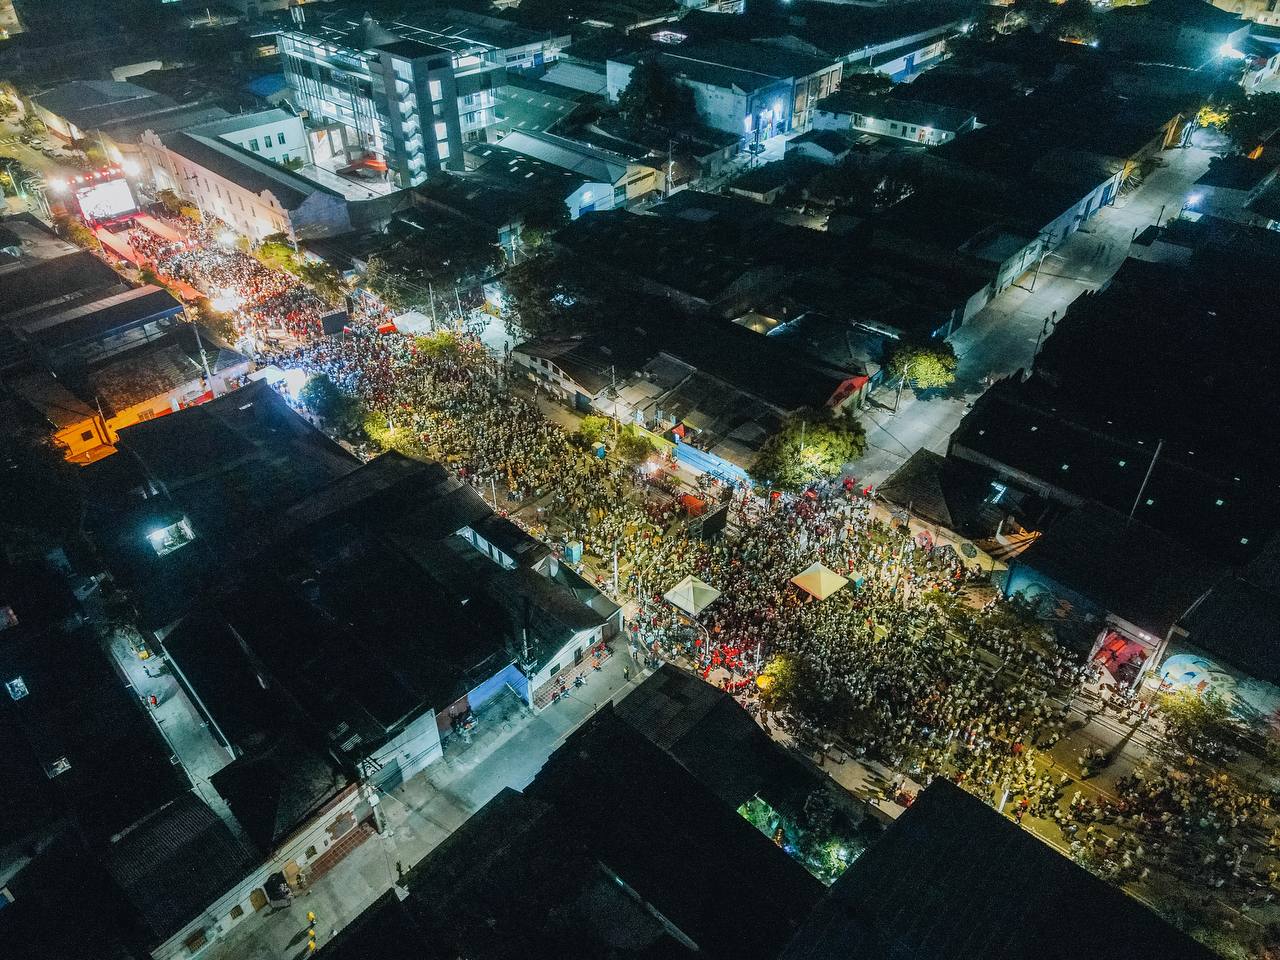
(104, 200)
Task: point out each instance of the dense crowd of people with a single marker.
(886, 668)
(267, 304)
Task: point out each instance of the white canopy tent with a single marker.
(413, 323)
(819, 581)
(691, 595)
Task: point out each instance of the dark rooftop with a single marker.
(176, 862)
(1239, 622)
(952, 879)
(1126, 568)
(1235, 172)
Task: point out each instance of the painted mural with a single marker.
(1253, 702)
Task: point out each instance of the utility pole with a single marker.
(204, 360)
(1143, 489)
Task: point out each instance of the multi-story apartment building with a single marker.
(407, 95)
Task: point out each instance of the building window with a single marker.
(165, 540)
(253, 144)
(437, 94)
(17, 688)
(59, 766)
(280, 139)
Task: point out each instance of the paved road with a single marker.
(1002, 338)
(508, 750)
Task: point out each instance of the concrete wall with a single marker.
(886, 126)
(277, 141)
(416, 746)
(255, 215)
(305, 846)
(563, 657)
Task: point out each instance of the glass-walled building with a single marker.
(399, 100)
(387, 104)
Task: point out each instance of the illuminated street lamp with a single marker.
(897, 397)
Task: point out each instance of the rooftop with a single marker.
(1126, 568)
(1236, 172)
(592, 164)
(244, 168)
(938, 886)
(901, 109)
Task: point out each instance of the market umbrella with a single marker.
(819, 581)
(691, 595)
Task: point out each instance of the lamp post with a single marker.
(897, 397)
(1049, 323)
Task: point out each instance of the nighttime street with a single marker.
(756, 480)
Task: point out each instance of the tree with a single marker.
(812, 445)
(927, 366)
(1195, 721)
(338, 412)
(219, 322)
(170, 201)
(546, 214)
(276, 253)
(777, 682)
(323, 279)
(71, 229)
(539, 298)
(652, 97)
(1077, 21)
(633, 446)
(1250, 119)
(593, 428)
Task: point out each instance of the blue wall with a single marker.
(709, 463)
(496, 684)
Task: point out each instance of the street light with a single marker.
(901, 380)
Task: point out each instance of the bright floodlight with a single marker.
(58, 186)
(131, 167)
(1194, 198)
(226, 301)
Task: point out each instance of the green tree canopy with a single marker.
(541, 297)
(652, 97)
(338, 412)
(812, 445)
(171, 202)
(71, 229)
(633, 446)
(926, 365)
(545, 214)
(1076, 20)
(323, 280)
(1193, 720)
(1250, 119)
(593, 428)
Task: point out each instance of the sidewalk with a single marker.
(507, 749)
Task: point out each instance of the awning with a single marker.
(413, 323)
(691, 595)
(820, 581)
